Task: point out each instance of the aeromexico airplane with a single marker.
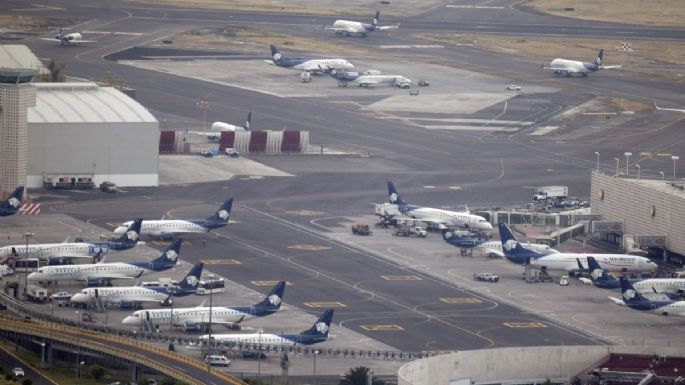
(347, 28)
(61, 253)
(140, 294)
(516, 253)
(317, 333)
(193, 317)
(435, 217)
(571, 67)
(634, 300)
(308, 65)
(106, 272)
(484, 247)
(167, 228)
(10, 206)
(602, 278)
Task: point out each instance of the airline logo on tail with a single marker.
(596, 274)
(322, 328)
(192, 281)
(171, 255)
(393, 197)
(510, 245)
(132, 235)
(14, 202)
(274, 299)
(223, 214)
(629, 294)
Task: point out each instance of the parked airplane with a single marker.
(516, 253)
(166, 228)
(634, 300)
(138, 294)
(61, 253)
(602, 278)
(193, 318)
(571, 67)
(435, 217)
(307, 65)
(10, 206)
(72, 39)
(667, 109)
(483, 247)
(217, 128)
(317, 333)
(347, 28)
(106, 272)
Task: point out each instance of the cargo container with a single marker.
(167, 142)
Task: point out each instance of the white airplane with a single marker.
(217, 128)
(347, 28)
(516, 253)
(165, 228)
(59, 253)
(572, 67)
(194, 318)
(307, 65)
(667, 109)
(317, 333)
(436, 217)
(106, 272)
(634, 300)
(139, 294)
(492, 249)
(603, 279)
(72, 39)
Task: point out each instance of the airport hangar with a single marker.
(74, 133)
(641, 213)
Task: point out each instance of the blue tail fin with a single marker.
(276, 56)
(272, 302)
(169, 257)
(629, 293)
(11, 204)
(394, 196)
(192, 280)
(223, 213)
(248, 121)
(597, 273)
(599, 58)
(376, 18)
(131, 234)
(321, 326)
(512, 248)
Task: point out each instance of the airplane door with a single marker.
(96, 292)
(147, 316)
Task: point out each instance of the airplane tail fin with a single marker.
(223, 213)
(131, 234)
(192, 279)
(169, 257)
(272, 302)
(276, 56)
(394, 196)
(510, 245)
(14, 201)
(629, 293)
(248, 121)
(376, 18)
(600, 57)
(321, 326)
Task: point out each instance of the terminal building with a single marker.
(635, 213)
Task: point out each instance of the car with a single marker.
(207, 153)
(18, 372)
(232, 152)
(513, 87)
(60, 296)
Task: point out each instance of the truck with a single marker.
(486, 277)
(37, 294)
(361, 229)
(108, 187)
(550, 192)
(406, 231)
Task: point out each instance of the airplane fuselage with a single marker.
(568, 67)
(192, 315)
(87, 271)
(674, 308)
(45, 251)
(118, 295)
(446, 217)
(349, 27)
(611, 262)
(169, 227)
(266, 339)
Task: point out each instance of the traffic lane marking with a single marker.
(324, 304)
(382, 328)
(220, 262)
(524, 325)
(460, 300)
(309, 247)
(401, 278)
(269, 283)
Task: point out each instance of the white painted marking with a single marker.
(431, 187)
(475, 121)
(473, 128)
(544, 130)
(401, 46)
(454, 187)
(472, 6)
(114, 33)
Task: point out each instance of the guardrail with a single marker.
(23, 309)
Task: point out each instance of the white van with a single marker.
(216, 360)
(5, 270)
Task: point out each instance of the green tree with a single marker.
(97, 371)
(357, 376)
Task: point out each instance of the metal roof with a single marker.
(85, 103)
(18, 56)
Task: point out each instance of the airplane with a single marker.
(193, 318)
(667, 109)
(347, 28)
(516, 253)
(603, 279)
(435, 217)
(217, 128)
(106, 272)
(634, 300)
(317, 333)
(165, 228)
(307, 65)
(10, 206)
(482, 247)
(138, 294)
(61, 253)
(571, 67)
(71, 39)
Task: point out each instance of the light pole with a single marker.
(674, 157)
(617, 160)
(662, 175)
(51, 315)
(78, 345)
(27, 235)
(638, 171)
(204, 106)
(259, 355)
(627, 154)
(597, 153)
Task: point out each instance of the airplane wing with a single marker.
(586, 281)
(48, 39)
(617, 301)
(388, 27)
(611, 67)
(336, 29)
(564, 69)
(490, 252)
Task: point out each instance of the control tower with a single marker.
(17, 94)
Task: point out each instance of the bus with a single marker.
(211, 285)
(27, 264)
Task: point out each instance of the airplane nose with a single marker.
(78, 298)
(120, 230)
(130, 320)
(33, 276)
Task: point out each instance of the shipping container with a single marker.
(258, 142)
(167, 142)
(291, 141)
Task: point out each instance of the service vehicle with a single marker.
(486, 277)
(60, 296)
(513, 87)
(232, 152)
(361, 229)
(37, 294)
(108, 187)
(563, 281)
(216, 360)
(18, 372)
(406, 231)
(207, 153)
(550, 192)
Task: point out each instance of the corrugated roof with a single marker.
(85, 103)
(18, 56)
